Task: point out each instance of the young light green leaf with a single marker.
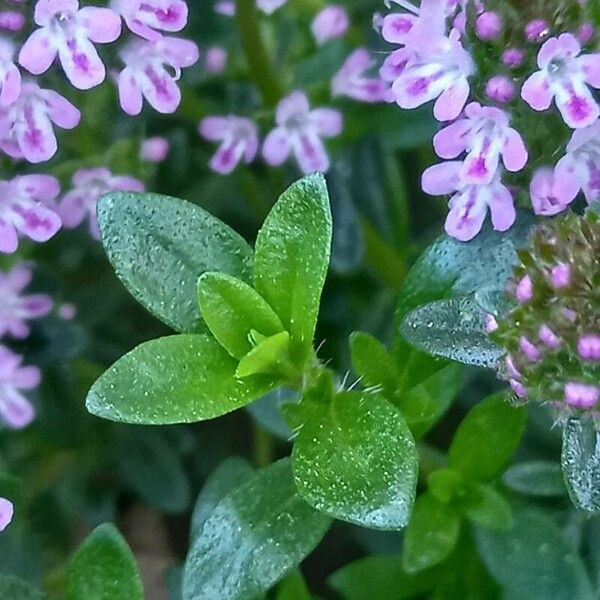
(536, 478)
(355, 459)
(431, 534)
(103, 568)
(486, 507)
(293, 587)
(159, 246)
(453, 328)
(581, 463)
(271, 355)
(486, 438)
(381, 577)
(229, 475)
(13, 588)
(232, 309)
(252, 538)
(175, 379)
(534, 560)
(292, 257)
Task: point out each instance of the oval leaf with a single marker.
(356, 460)
(537, 478)
(292, 257)
(252, 538)
(103, 568)
(159, 246)
(175, 379)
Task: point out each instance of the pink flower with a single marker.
(26, 125)
(270, 6)
(350, 80)
(579, 169)
(486, 136)
(215, 59)
(513, 58)
(15, 409)
(548, 337)
(15, 308)
(542, 195)
(560, 276)
(330, 23)
(147, 17)
(565, 76)
(529, 350)
(238, 137)
(518, 388)
(88, 186)
(536, 30)
(470, 203)
(500, 88)
(588, 347)
(490, 323)
(7, 511)
(225, 8)
(25, 207)
(581, 395)
(145, 76)
(524, 291)
(397, 28)
(155, 149)
(11, 20)
(488, 25)
(299, 130)
(10, 76)
(68, 31)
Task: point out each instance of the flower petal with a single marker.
(327, 121)
(514, 153)
(310, 153)
(451, 141)
(452, 100)
(502, 208)
(567, 184)
(441, 179)
(102, 25)
(37, 53)
(276, 147)
(536, 91)
(15, 409)
(466, 216)
(130, 94)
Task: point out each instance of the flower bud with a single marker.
(500, 88)
(561, 276)
(524, 289)
(581, 395)
(488, 26)
(589, 347)
(155, 149)
(11, 20)
(536, 30)
(548, 337)
(215, 60)
(332, 22)
(513, 58)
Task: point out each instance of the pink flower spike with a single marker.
(26, 125)
(11, 20)
(330, 23)
(16, 309)
(299, 131)
(524, 291)
(488, 26)
(155, 149)
(513, 58)
(26, 208)
(270, 6)
(500, 88)
(529, 350)
(15, 409)
(215, 60)
(561, 276)
(10, 76)
(581, 395)
(147, 18)
(88, 186)
(490, 323)
(542, 195)
(536, 30)
(145, 75)
(350, 81)
(7, 511)
(564, 76)
(518, 388)
(238, 137)
(548, 337)
(588, 347)
(68, 31)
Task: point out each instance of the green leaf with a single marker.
(152, 469)
(536, 478)
(534, 560)
(580, 461)
(355, 459)
(252, 538)
(13, 588)
(445, 484)
(292, 257)
(232, 309)
(159, 246)
(381, 577)
(293, 587)
(431, 534)
(486, 438)
(229, 475)
(175, 379)
(486, 507)
(271, 356)
(103, 568)
(454, 329)
(374, 364)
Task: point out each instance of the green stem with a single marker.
(263, 447)
(259, 65)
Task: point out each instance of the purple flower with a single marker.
(238, 137)
(11, 20)
(588, 347)
(581, 395)
(330, 23)
(500, 88)
(397, 28)
(350, 80)
(513, 58)
(565, 76)
(15, 308)
(560, 276)
(529, 350)
(488, 25)
(579, 169)
(25, 208)
(470, 203)
(299, 130)
(486, 136)
(10, 76)
(215, 59)
(15, 409)
(155, 149)
(511, 368)
(524, 291)
(7, 511)
(26, 125)
(518, 388)
(490, 323)
(147, 17)
(548, 337)
(68, 31)
(225, 8)
(536, 30)
(145, 75)
(542, 195)
(270, 6)
(88, 186)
